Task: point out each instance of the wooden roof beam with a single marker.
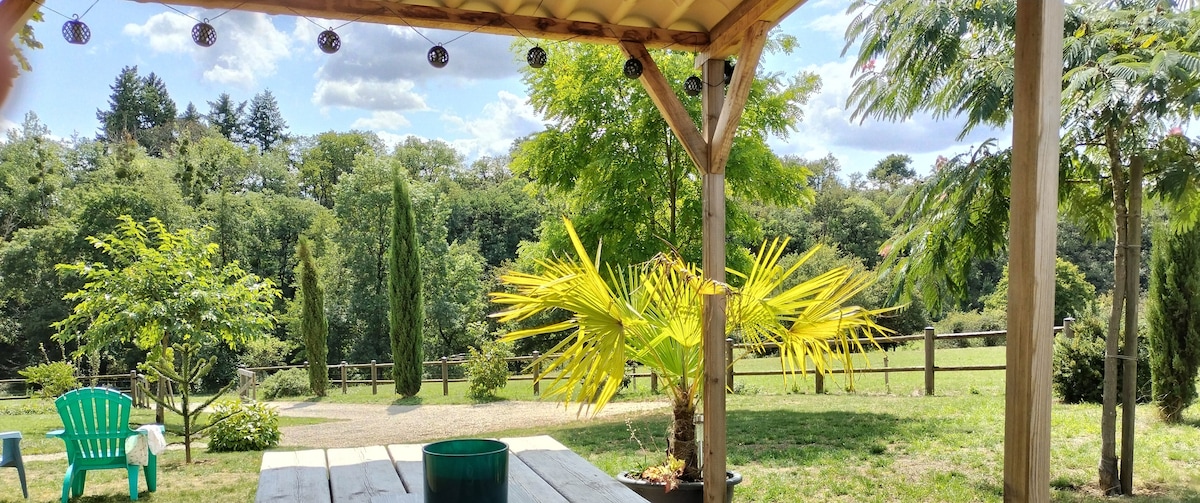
(735, 98)
(726, 37)
(422, 16)
(668, 104)
(13, 16)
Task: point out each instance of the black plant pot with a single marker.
(686, 492)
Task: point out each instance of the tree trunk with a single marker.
(1109, 478)
(1133, 263)
(683, 439)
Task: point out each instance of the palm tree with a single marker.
(651, 313)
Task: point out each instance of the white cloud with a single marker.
(384, 120)
(373, 95)
(165, 32)
(834, 24)
(827, 124)
(380, 52)
(494, 129)
(248, 45)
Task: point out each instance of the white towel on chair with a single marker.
(138, 446)
(154, 434)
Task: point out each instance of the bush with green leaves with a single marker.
(51, 379)
(291, 382)
(1079, 364)
(245, 427)
(487, 369)
(957, 322)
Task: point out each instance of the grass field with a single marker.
(879, 443)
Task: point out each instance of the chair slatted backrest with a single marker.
(95, 422)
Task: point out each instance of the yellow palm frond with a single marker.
(652, 313)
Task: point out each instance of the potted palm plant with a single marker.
(651, 313)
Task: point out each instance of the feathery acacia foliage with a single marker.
(406, 313)
(1131, 71)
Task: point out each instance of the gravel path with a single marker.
(357, 425)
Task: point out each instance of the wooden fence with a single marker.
(126, 383)
(339, 373)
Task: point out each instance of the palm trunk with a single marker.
(682, 444)
(1133, 275)
(1109, 478)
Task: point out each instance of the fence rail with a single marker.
(930, 368)
(248, 380)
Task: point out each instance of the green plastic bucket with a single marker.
(470, 470)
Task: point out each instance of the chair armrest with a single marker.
(55, 434)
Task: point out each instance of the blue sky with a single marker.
(379, 80)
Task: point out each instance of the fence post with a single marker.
(929, 343)
(133, 389)
(653, 382)
(343, 377)
(886, 383)
(729, 363)
(374, 379)
(1068, 327)
(820, 381)
(445, 377)
(537, 370)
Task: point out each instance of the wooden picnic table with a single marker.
(540, 470)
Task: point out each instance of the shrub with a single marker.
(974, 321)
(1079, 364)
(51, 379)
(246, 427)
(291, 382)
(264, 352)
(487, 371)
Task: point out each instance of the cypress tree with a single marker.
(406, 309)
(1173, 319)
(313, 325)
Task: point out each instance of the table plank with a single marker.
(409, 465)
(290, 476)
(524, 485)
(568, 473)
(358, 475)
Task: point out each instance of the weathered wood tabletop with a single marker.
(540, 470)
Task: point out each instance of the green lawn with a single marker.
(900, 448)
(232, 476)
(791, 444)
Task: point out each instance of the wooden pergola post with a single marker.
(709, 149)
(1032, 233)
(713, 198)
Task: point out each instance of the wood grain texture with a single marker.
(713, 262)
(423, 16)
(13, 16)
(524, 484)
(668, 104)
(1032, 233)
(735, 102)
(360, 474)
(292, 476)
(572, 476)
(409, 465)
(726, 36)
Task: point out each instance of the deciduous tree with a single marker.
(165, 294)
(1131, 71)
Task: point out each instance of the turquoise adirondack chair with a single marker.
(95, 427)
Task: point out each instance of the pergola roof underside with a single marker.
(713, 27)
